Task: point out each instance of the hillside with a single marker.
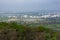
(14, 31)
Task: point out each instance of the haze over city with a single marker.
(28, 5)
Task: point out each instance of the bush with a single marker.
(23, 31)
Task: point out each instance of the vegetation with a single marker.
(14, 31)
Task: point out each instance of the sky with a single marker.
(28, 5)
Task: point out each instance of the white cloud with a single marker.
(23, 1)
(11, 1)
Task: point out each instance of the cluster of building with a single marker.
(29, 17)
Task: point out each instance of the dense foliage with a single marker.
(14, 31)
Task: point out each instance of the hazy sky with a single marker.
(28, 5)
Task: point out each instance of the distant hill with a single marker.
(36, 13)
